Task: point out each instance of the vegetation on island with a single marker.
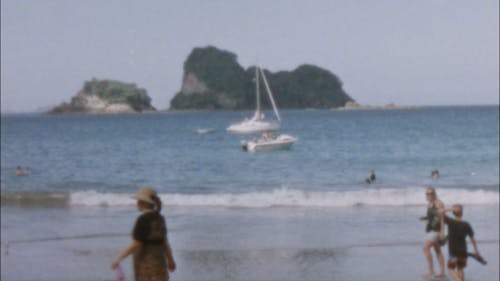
(213, 80)
(226, 81)
(119, 92)
(109, 92)
(226, 85)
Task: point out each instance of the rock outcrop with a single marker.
(213, 80)
(107, 97)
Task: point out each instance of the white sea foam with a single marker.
(94, 198)
(297, 198)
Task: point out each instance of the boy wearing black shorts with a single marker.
(458, 230)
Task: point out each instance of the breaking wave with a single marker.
(275, 198)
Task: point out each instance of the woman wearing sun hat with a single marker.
(150, 245)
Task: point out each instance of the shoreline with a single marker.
(235, 244)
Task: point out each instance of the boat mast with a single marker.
(257, 86)
(270, 95)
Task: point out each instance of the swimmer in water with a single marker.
(22, 171)
(371, 178)
(435, 174)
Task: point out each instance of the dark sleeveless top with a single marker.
(150, 228)
(433, 221)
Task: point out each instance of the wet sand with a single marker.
(231, 244)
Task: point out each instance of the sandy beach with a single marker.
(236, 244)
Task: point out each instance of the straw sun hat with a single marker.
(145, 194)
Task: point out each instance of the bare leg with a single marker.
(461, 274)
(427, 252)
(454, 274)
(440, 259)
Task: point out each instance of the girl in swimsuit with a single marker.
(433, 229)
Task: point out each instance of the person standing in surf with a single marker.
(433, 229)
(149, 245)
(458, 230)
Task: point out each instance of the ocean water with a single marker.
(299, 214)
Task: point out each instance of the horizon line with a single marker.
(7, 112)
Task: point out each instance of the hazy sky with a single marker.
(426, 52)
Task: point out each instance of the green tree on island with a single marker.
(229, 86)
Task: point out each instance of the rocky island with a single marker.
(213, 80)
(107, 97)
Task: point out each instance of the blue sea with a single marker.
(300, 214)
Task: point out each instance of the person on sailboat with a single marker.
(266, 136)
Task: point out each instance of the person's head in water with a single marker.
(458, 210)
(147, 199)
(371, 178)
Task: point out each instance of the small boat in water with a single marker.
(269, 142)
(204, 131)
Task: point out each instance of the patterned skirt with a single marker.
(150, 263)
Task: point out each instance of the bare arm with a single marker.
(441, 218)
(170, 257)
(440, 205)
(424, 218)
(474, 244)
(130, 249)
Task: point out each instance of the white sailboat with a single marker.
(258, 123)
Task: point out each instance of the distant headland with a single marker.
(213, 80)
(356, 106)
(107, 97)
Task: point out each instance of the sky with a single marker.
(427, 52)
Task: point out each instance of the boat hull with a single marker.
(280, 143)
(253, 127)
